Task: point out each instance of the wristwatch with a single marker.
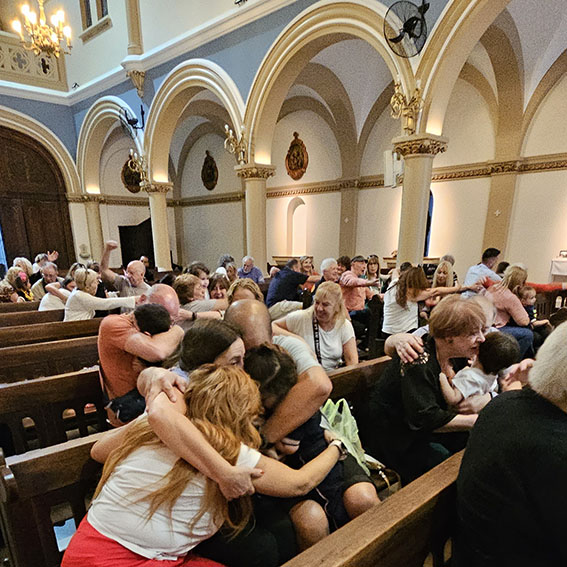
(343, 451)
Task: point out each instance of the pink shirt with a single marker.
(507, 306)
(355, 291)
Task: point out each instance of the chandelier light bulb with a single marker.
(17, 26)
(32, 16)
(25, 9)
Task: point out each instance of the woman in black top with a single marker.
(408, 425)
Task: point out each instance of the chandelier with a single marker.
(43, 37)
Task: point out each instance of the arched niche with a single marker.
(100, 120)
(292, 209)
(314, 29)
(175, 93)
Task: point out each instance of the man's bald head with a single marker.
(135, 272)
(253, 320)
(163, 295)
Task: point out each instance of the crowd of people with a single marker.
(218, 455)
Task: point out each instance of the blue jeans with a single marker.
(524, 336)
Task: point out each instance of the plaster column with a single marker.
(349, 217)
(158, 214)
(94, 225)
(418, 151)
(255, 177)
(135, 45)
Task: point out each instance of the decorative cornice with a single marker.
(255, 171)
(419, 144)
(233, 197)
(108, 200)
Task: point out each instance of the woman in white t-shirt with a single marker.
(325, 327)
(151, 506)
(57, 294)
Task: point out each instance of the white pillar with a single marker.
(418, 151)
(255, 177)
(160, 232)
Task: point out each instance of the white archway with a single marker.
(34, 129)
(298, 43)
(292, 207)
(179, 87)
(99, 120)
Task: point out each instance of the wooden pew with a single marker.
(30, 317)
(19, 307)
(25, 362)
(354, 382)
(33, 486)
(47, 401)
(46, 332)
(399, 532)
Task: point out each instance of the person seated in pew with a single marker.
(57, 294)
(346, 492)
(324, 326)
(48, 275)
(244, 289)
(120, 343)
(150, 505)
(495, 355)
(14, 277)
(250, 271)
(511, 492)
(408, 425)
(82, 303)
(22, 287)
(218, 286)
(132, 282)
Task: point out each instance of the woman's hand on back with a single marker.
(407, 346)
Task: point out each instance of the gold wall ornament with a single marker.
(236, 146)
(137, 77)
(41, 37)
(408, 110)
(297, 158)
(209, 172)
(138, 164)
(130, 178)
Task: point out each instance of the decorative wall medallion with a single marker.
(130, 179)
(297, 159)
(209, 172)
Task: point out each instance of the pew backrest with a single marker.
(399, 532)
(30, 317)
(25, 362)
(19, 307)
(46, 332)
(47, 402)
(33, 486)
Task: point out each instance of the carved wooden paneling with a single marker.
(34, 213)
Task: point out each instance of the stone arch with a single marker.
(101, 118)
(26, 125)
(178, 88)
(292, 206)
(313, 30)
(458, 30)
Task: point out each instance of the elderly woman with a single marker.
(408, 424)
(82, 302)
(511, 487)
(511, 317)
(324, 326)
(244, 289)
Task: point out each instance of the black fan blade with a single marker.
(423, 8)
(398, 38)
(410, 25)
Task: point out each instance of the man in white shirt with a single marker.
(490, 259)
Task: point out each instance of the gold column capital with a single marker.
(157, 187)
(255, 171)
(420, 144)
(137, 77)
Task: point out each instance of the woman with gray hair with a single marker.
(511, 488)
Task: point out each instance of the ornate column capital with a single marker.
(419, 144)
(255, 171)
(137, 77)
(157, 187)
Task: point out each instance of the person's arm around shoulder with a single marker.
(55, 289)
(282, 481)
(106, 273)
(407, 346)
(156, 348)
(517, 311)
(109, 441)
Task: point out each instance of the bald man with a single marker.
(120, 344)
(132, 282)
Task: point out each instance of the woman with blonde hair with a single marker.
(82, 303)
(324, 326)
(244, 289)
(511, 317)
(151, 506)
(443, 276)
